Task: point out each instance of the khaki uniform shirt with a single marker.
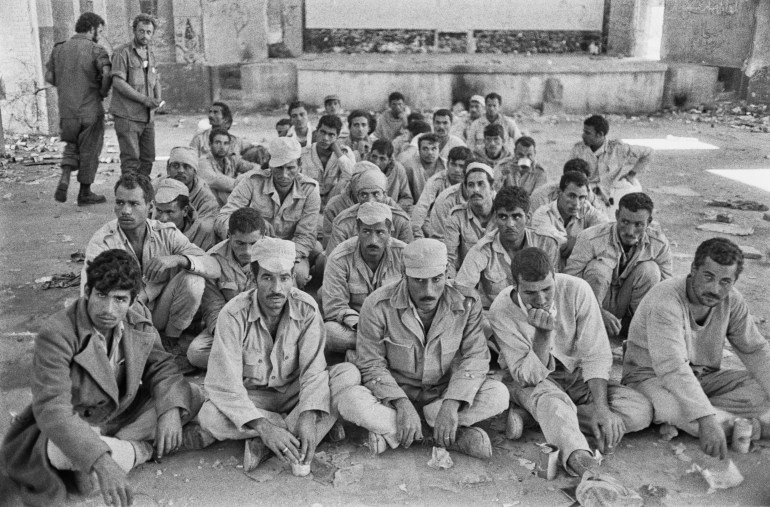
(221, 175)
(77, 66)
(233, 280)
(578, 339)
(608, 163)
(388, 128)
(200, 143)
(203, 200)
(128, 63)
(295, 219)
(509, 174)
(346, 225)
(246, 357)
(415, 172)
(398, 186)
(331, 178)
(511, 131)
(547, 220)
(433, 187)
(488, 265)
(348, 280)
(334, 207)
(446, 200)
(459, 233)
(200, 232)
(398, 359)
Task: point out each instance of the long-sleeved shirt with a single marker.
(334, 207)
(416, 174)
(233, 280)
(244, 356)
(161, 240)
(396, 356)
(446, 200)
(578, 339)
(548, 220)
(398, 186)
(346, 225)
(332, 177)
(221, 175)
(608, 163)
(348, 280)
(294, 219)
(420, 213)
(511, 131)
(199, 232)
(200, 143)
(388, 128)
(203, 200)
(461, 230)
(665, 341)
(602, 243)
(509, 174)
(487, 266)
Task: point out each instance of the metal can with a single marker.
(742, 431)
(547, 462)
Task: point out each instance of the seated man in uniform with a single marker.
(328, 161)
(622, 261)
(220, 167)
(550, 192)
(172, 205)
(549, 330)
(356, 268)
(398, 185)
(361, 124)
(422, 163)
(422, 355)
(103, 393)
(174, 269)
(267, 380)
(220, 118)
(675, 345)
(245, 228)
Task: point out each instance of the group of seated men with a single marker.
(429, 267)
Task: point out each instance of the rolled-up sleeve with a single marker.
(239, 198)
(201, 264)
(473, 265)
(120, 64)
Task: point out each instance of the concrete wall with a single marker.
(185, 87)
(696, 83)
(758, 65)
(272, 84)
(235, 31)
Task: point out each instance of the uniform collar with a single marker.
(255, 313)
(451, 297)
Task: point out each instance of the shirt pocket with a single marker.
(401, 356)
(292, 214)
(358, 292)
(136, 75)
(254, 367)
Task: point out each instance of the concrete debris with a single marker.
(441, 459)
(722, 478)
(733, 229)
(741, 204)
(60, 281)
(743, 116)
(750, 252)
(680, 191)
(725, 218)
(266, 471)
(529, 465)
(473, 479)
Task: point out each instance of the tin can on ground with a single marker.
(742, 431)
(547, 462)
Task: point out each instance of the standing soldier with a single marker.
(136, 98)
(80, 70)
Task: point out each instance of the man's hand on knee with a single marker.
(712, 437)
(611, 323)
(168, 435)
(280, 441)
(445, 429)
(113, 482)
(407, 422)
(159, 265)
(608, 428)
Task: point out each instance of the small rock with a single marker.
(766, 216)
(750, 252)
(727, 229)
(159, 473)
(725, 218)
(402, 487)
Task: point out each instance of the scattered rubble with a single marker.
(737, 115)
(733, 229)
(350, 475)
(740, 204)
(680, 191)
(750, 252)
(441, 459)
(724, 478)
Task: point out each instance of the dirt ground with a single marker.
(38, 235)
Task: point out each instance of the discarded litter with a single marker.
(347, 476)
(529, 465)
(402, 487)
(733, 229)
(719, 479)
(440, 459)
(678, 448)
(79, 256)
(266, 471)
(600, 490)
(59, 281)
(750, 252)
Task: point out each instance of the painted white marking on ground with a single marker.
(672, 143)
(759, 178)
(162, 158)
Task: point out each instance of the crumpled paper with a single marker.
(441, 459)
(719, 479)
(602, 490)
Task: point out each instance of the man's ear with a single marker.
(87, 291)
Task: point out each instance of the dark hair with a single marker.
(636, 201)
(360, 113)
(443, 112)
(419, 127)
(383, 146)
(429, 137)
(218, 132)
(530, 264)
(468, 172)
(246, 220)
(600, 125)
(577, 164)
(510, 198)
(575, 177)
(395, 96)
(132, 180)
(88, 21)
(493, 95)
(226, 113)
(182, 201)
(720, 250)
(294, 105)
(460, 153)
(494, 130)
(331, 121)
(525, 141)
(282, 122)
(415, 116)
(144, 19)
(114, 270)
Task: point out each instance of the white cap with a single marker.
(283, 150)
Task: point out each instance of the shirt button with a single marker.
(259, 361)
(286, 358)
(272, 378)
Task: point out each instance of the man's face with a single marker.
(372, 240)
(273, 289)
(283, 130)
(333, 107)
(284, 176)
(371, 194)
(441, 126)
(143, 34)
(397, 107)
(493, 107)
(241, 243)
(493, 146)
(537, 294)
(380, 160)
(215, 116)
(426, 292)
(97, 33)
(428, 152)
(107, 310)
(477, 188)
(181, 171)
(591, 137)
(631, 225)
(475, 109)
(571, 199)
(298, 117)
(326, 137)
(171, 212)
(712, 282)
(131, 209)
(455, 170)
(522, 153)
(359, 128)
(220, 146)
(511, 223)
